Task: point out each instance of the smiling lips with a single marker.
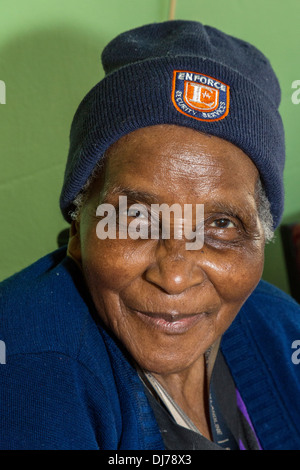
(170, 323)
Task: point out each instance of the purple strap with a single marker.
(242, 407)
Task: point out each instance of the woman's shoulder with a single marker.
(258, 347)
(45, 308)
(266, 291)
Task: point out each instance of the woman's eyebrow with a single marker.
(131, 193)
(245, 211)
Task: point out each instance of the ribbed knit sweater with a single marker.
(68, 383)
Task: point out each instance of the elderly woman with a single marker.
(132, 338)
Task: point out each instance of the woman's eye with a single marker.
(222, 223)
(135, 213)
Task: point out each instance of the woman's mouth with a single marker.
(172, 323)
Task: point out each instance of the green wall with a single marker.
(50, 57)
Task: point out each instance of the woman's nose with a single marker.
(176, 269)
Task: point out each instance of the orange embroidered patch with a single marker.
(200, 96)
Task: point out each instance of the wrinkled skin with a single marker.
(139, 286)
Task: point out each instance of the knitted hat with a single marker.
(184, 73)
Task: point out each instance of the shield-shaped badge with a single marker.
(200, 96)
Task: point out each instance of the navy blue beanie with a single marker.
(188, 74)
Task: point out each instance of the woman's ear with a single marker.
(74, 247)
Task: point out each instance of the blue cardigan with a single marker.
(68, 384)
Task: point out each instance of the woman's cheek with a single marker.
(235, 273)
(113, 263)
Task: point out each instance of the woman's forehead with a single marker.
(183, 155)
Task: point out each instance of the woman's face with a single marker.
(168, 304)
